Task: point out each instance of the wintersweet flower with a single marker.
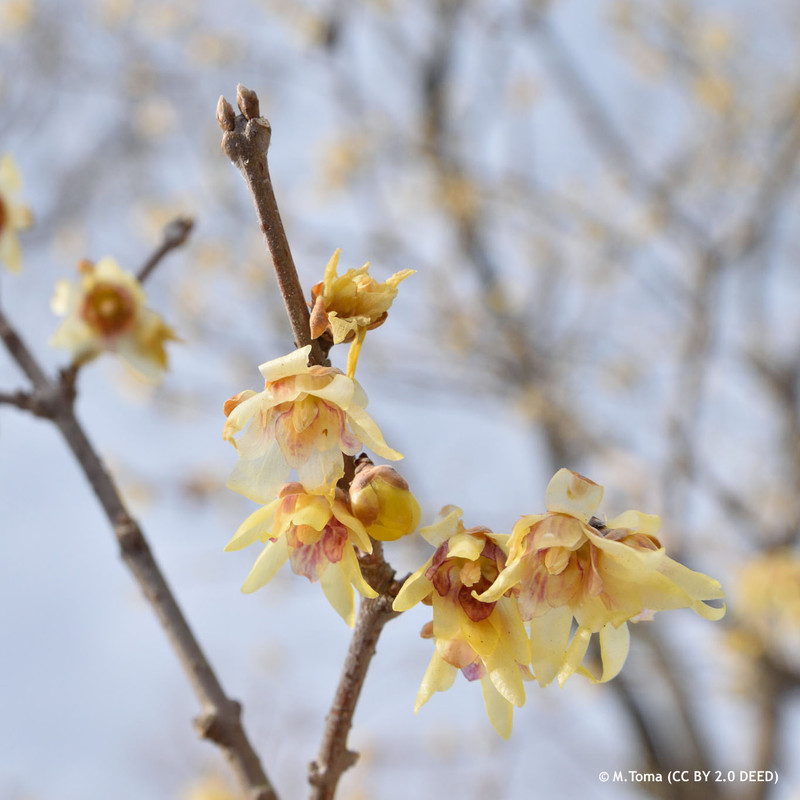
(318, 535)
(487, 641)
(106, 311)
(305, 419)
(567, 563)
(13, 215)
(381, 499)
(351, 304)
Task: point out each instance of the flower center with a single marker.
(109, 309)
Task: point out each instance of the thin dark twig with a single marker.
(175, 234)
(245, 140)
(220, 720)
(334, 758)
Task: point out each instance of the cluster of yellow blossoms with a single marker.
(506, 609)
(307, 419)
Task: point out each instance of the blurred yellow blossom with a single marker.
(567, 563)
(487, 641)
(210, 787)
(105, 311)
(351, 304)
(305, 419)
(381, 499)
(769, 599)
(13, 216)
(318, 535)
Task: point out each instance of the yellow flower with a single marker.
(351, 304)
(13, 216)
(486, 641)
(210, 787)
(317, 535)
(567, 563)
(769, 600)
(106, 311)
(305, 418)
(381, 499)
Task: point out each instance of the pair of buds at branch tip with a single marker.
(246, 99)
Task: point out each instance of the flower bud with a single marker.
(381, 500)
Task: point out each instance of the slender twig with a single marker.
(175, 234)
(245, 140)
(220, 720)
(334, 758)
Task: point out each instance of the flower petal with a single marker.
(272, 558)
(549, 638)
(256, 526)
(295, 363)
(438, 677)
(339, 592)
(499, 710)
(573, 494)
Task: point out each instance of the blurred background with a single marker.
(601, 202)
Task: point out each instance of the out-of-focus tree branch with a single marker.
(220, 721)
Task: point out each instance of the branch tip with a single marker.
(247, 100)
(225, 114)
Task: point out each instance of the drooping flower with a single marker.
(567, 564)
(106, 311)
(486, 641)
(351, 304)
(381, 499)
(318, 535)
(13, 215)
(305, 419)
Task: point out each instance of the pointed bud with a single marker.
(381, 500)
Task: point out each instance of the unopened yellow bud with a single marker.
(382, 501)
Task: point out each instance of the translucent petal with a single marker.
(571, 493)
(260, 478)
(295, 363)
(352, 570)
(322, 468)
(314, 511)
(465, 545)
(272, 558)
(499, 710)
(439, 677)
(575, 653)
(446, 621)
(243, 413)
(482, 637)
(256, 527)
(339, 592)
(614, 646)
(636, 521)
(505, 675)
(509, 625)
(415, 589)
(443, 527)
(506, 580)
(549, 638)
(367, 430)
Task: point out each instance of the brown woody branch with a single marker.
(175, 234)
(245, 140)
(220, 720)
(334, 758)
